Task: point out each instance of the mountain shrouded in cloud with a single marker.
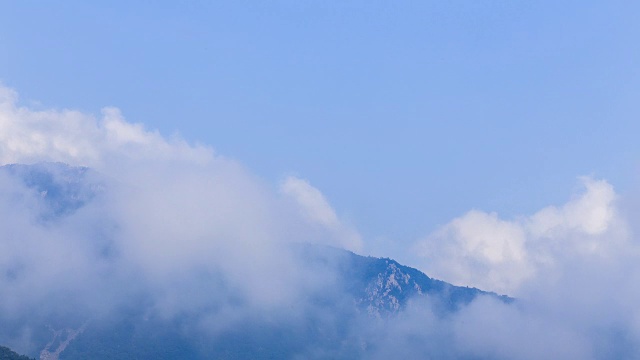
(177, 219)
(121, 306)
(112, 232)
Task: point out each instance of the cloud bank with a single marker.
(572, 267)
(194, 235)
(176, 219)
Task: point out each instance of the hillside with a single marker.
(8, 354)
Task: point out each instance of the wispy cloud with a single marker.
(317, 210)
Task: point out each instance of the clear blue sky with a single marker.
(404, 114)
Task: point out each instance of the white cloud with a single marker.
(317, 210)
(75, 138)
(482, 250)
(173, 211)
(591, 213)
(479, 249)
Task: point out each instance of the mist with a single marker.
(194, 238)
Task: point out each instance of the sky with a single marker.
(405, 115)
(489, 144)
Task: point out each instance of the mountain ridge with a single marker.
(8, 354)
(364, 289)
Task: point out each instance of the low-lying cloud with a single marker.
(573, 269)
(175, 219)
(190, 233)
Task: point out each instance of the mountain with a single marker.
(369, 291)
(8, 354)
(341, 319)
(382, 286)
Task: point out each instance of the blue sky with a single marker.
(404, 114)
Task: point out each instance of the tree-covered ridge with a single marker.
(8, 354)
